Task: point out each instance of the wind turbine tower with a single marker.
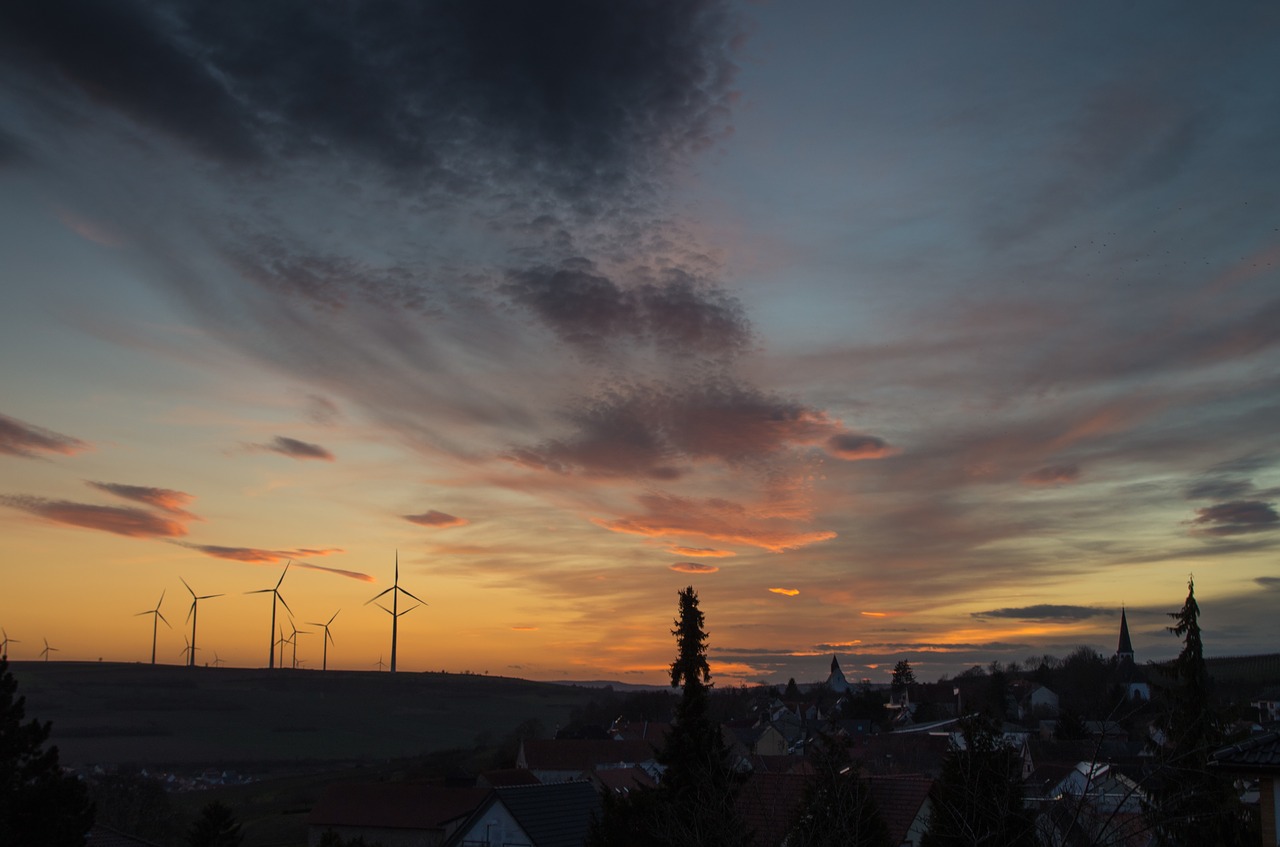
(275, 596)
(324, 666)
(156, 617)
(395, 591)
(191, 616)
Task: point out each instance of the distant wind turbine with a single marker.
(280, 642)
(191, 616)
(325, 641)
(395, 591)
(217, 661)
(293, 639)
(189, 651)
(4, 645)
(156, 617)
(380, 664)
(275, 596)
(47, 650)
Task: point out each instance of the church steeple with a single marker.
(1125, 649)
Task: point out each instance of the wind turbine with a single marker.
(189, 651)
(381, 664)
(275, 595)
(325, 641)
(191, 616)
(4, 645)
(293, 639)
(395, 591)
(281, 641)
(155, 624)
(217, 662)
(47, 650)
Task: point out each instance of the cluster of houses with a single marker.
(1083, 791)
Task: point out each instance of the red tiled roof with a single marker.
(584, 754)
(899, 799)
(401, 805)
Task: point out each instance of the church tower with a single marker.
(1124, 652)
(836, 681)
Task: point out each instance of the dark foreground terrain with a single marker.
(173, 717)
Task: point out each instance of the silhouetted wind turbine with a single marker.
(188, 651)
(47, 650)
(217, 662)
(155, 624)
(293, 639)
(325, 641)
(395, 590)
(4, 645)
(281, 641)
(191, 616)
(275, 592)
(381, 664)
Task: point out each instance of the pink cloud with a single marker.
(436, 519)
(721, 520)
(165, 499)
(118, 520)
(692, 567)
(26, 440)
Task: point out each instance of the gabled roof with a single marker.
(556, 815)
(1259, 754)
(399, 805)
(583, 754)
(768, 802)
(899, 798)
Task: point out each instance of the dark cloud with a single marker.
(126, 521)
(165, 499)
(322, 410)
(677, 314)
(853, 446)
(1236, 517)
(651, 431)
(1268, 581)
(1052, 475)
(572, 91)
(295, 449)
(1044, 612)
(701, 552)
(693, 567)
(23, 439)
(1218, 489)
(436, 519)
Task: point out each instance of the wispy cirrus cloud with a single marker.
(1236, 517)
(433, 518)
(262, 556)
(165, 499)
(295, 449)
(18, 438)
(701, 552)
(118, 520)
(1052, 475)
(718, 519)
(693, 567)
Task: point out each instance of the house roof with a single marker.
(398, 805)
(899, 799)
(509, 776)
(583, 754)
(767, 803)
(622, 780)
(1259, 754)
(556, 815)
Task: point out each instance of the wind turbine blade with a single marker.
(184, 582)
(410, 609)
(192, 610)
(335, 614)
(419, 599)
(161, 600)
(379, 594)
(283, 572)
(283, 603)
(261, 591)
(147, 612)
(161, 617)
(210, 596)
(384, 608)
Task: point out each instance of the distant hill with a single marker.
(164, 715)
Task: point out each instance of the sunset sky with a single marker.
(928, 330)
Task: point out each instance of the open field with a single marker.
(169, 716)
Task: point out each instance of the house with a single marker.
(571, 760)
(1258, 758)
(1038, 700)
(556, 815)
(759, 740)
(903, 803)
(394, 814)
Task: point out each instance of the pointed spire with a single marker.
(1125, 649)
(835, 665)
